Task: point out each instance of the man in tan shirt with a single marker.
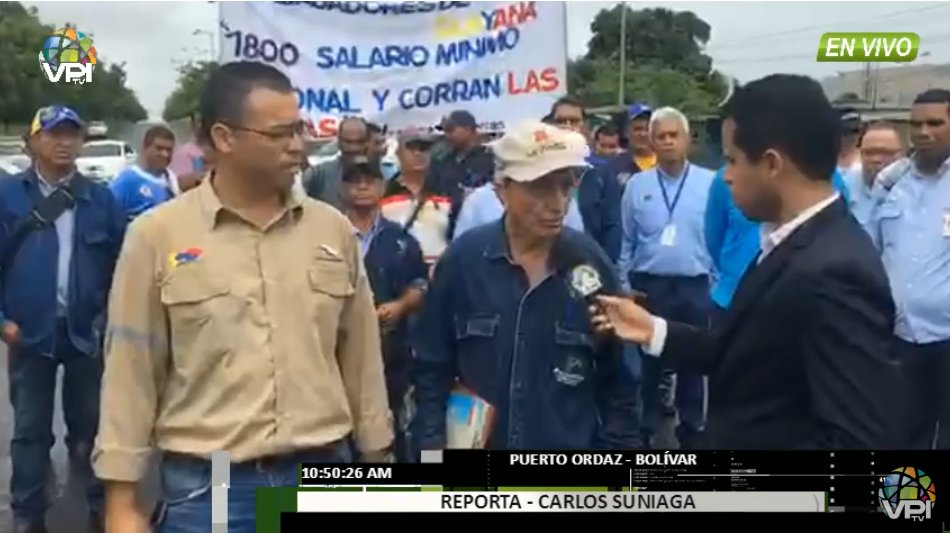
(240, 320)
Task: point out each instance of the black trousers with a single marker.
(684, 299)
(926, 368)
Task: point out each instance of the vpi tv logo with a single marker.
(68, 55)
(907, 492)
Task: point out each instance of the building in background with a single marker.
(888, 87)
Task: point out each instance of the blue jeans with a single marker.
(186, 488)
(32, 393)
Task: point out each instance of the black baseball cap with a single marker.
(458, 119)
(850, 120)
(361, 166)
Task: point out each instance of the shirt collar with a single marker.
(942, 170)
(211, 206)
(373, 230)
(78, 186)
(163, 178)
(772, 236)
(661, 173)
(43, 182)
(497, 246)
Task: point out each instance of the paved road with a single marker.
(68, 514)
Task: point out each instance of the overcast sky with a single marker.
(749, 39)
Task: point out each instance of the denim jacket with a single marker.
(28, 289)
(531, 353)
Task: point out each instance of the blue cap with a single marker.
(637, 109)
(51, 116)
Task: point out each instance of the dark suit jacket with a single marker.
(802, 359)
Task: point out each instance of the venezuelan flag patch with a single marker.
(190, 255)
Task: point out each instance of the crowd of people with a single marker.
(589, 286)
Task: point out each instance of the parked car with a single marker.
(97, 128)
(104, 159)
(7, 169)
(14, 164)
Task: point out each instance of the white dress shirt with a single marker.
(771, 237)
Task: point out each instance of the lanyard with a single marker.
(670, 207)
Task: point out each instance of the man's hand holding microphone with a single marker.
(622, 317)
(617, 315)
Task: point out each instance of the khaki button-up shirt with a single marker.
(226, 336)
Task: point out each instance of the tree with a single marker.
(183, 101)
(597, 81)
(24, 88)
(665, 61)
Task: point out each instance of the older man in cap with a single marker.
(60, 237)
(505, 316)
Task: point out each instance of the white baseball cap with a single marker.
(533, 149)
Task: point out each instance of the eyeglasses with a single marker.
(883, 152)
(280, 133)
(568, 121)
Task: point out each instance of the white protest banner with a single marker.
(410, 63)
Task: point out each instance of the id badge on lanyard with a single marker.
(668, 237)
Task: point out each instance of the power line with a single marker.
(919, 27)
(745, 40)
(936, 39)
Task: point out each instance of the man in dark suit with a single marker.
(802, 359)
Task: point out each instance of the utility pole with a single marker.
(623, 53)
(868, 84)
(877, 75)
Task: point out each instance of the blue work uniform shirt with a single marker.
(621, 168)
(598, 199)
(530, 352)
(137, 191)
(394, 264)
(911, 228)
(647, 215)
(862, 200)
(733, 240)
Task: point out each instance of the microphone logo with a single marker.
(586, 280)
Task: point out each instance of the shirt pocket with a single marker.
(572, 364)
(330, 286)
(196, 305)
(98, 248)
(95, 238)
(652, 215)
(475, 336)
(891, 218)
(570, 382)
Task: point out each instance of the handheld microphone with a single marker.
(584, 279)
(586, 282)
